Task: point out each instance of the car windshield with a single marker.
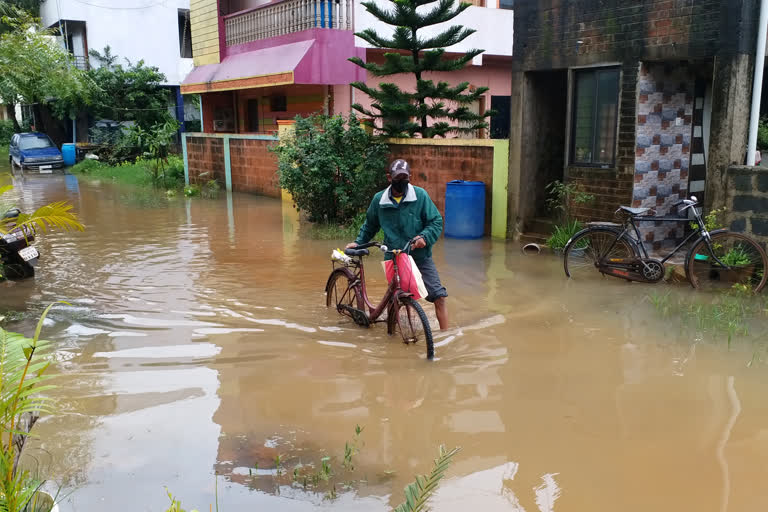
(35, 143)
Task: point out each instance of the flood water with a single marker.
(198, 344)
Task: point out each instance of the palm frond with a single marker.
(418, 493)
(57, 215)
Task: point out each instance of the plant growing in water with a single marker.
(23, 366)
(562, 234)
(418, 493)
(562, 197)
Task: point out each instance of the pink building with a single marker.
(259, 62)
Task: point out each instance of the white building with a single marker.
(155, 31)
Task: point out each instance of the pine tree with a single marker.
(406, 113)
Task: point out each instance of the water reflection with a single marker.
(198, 343)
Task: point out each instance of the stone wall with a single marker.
(433, 166)
(747, 201)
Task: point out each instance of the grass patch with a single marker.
(137, 173)
(728, 314)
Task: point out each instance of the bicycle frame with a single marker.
(394, 291)
(630, 222)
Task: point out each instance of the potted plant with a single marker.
(741, 265)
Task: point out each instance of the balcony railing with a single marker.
(286, 18)
(81, 62)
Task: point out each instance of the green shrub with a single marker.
(6, 132)
(192, 191)
(175, 168)
(762, 134)
(332, 167)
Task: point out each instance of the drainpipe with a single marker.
(757, 86)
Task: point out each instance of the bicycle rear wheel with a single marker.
(409, 320)
(592, 245)
(745, 262)
(342, 293)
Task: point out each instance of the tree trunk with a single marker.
(10, 109)
(38, 118)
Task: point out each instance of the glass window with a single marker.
(35, 143)
(185, 34)
(506, 4)
(595, 112)
(278, 104)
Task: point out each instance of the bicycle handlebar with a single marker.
(689, 202)
(384, 248)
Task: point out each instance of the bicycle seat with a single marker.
(356, 252)
(635, 211)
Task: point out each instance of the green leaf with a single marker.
(418, 493)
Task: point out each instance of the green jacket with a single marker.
(416, 214)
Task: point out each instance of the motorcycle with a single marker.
(17, 257)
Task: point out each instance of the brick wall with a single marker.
(432, 167)
(205, 155)
(551, 34)
(609, 187)
(747, 201)
(254, 167)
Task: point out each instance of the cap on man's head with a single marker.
(399, 167)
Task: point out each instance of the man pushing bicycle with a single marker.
(405, 212)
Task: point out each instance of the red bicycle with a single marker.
(346, 291)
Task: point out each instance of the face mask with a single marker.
(400, 186)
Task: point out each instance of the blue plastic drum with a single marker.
(465, 209)
(68, 153)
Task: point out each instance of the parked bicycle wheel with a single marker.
(340, 292)
(592, 245)
(745, 263)
(410, 321)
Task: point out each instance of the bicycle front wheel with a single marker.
(342, 293)
(410, 321)
(728, 260)
(587, 249)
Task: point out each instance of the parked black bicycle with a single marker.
(717, 259)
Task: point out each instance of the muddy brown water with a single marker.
(198, 343)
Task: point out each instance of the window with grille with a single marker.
(595, 114)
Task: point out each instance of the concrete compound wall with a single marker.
(747, 201)
(244, 163)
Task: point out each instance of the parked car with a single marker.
(35, 151)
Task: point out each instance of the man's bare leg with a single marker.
(441, 310)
